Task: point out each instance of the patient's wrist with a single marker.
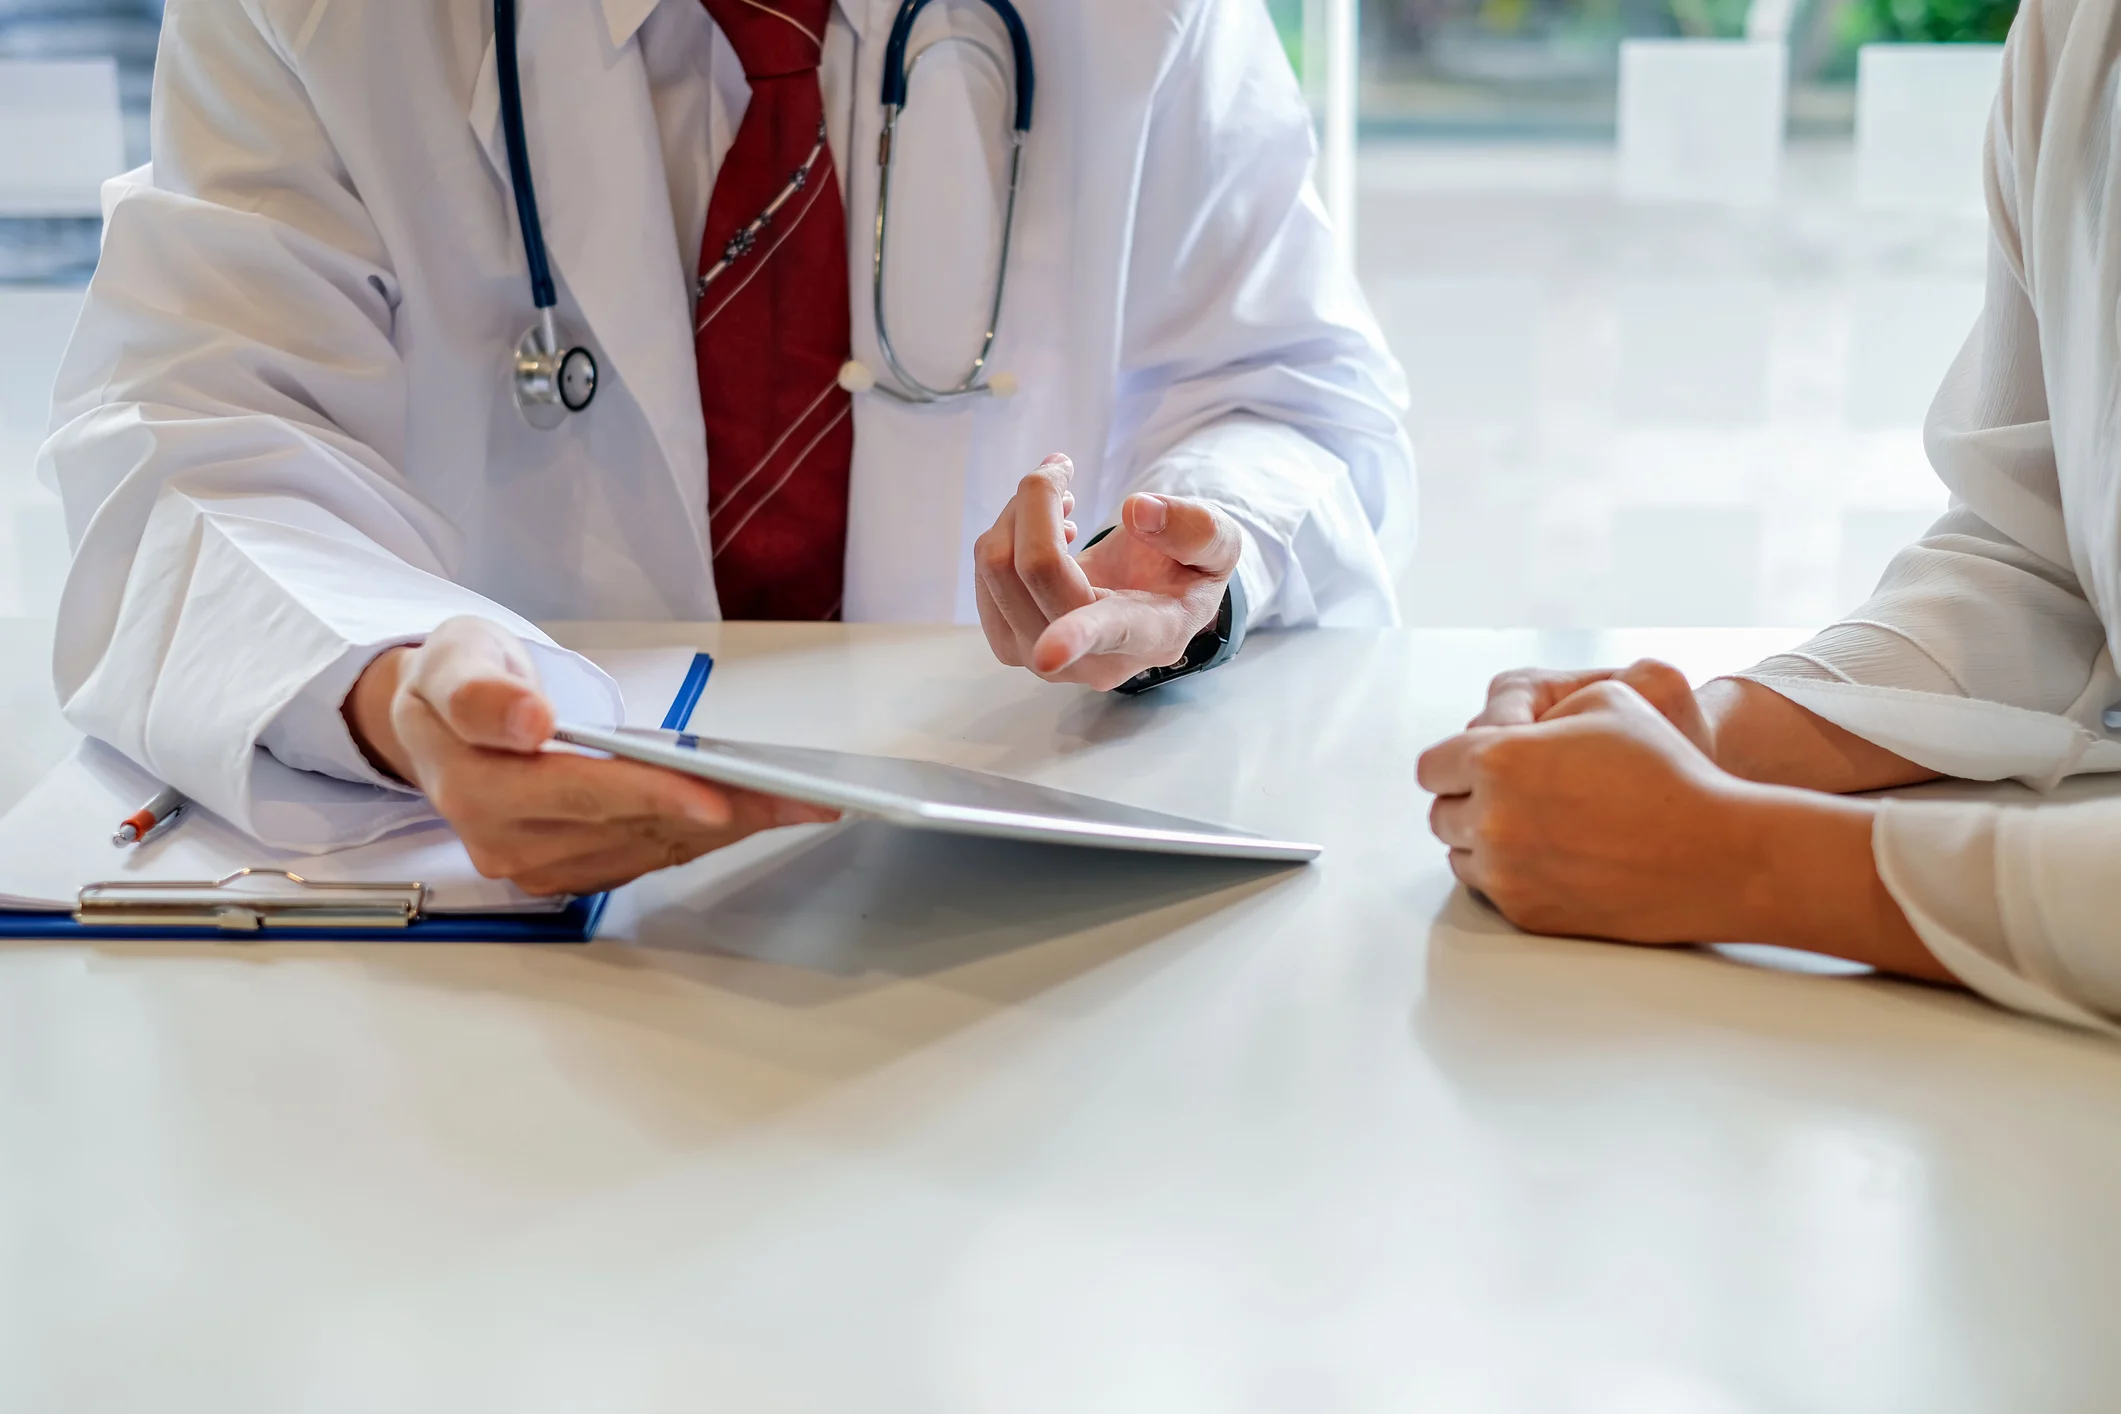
(1722, 704)
(1812, 883)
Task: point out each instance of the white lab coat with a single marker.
(284, 436)
(1988, 651)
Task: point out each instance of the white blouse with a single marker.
(1987, 652)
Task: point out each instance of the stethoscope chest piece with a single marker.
(551, 382)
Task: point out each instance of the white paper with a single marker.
(58, 838)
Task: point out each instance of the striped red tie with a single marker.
(772, 330)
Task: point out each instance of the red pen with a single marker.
(153, 816)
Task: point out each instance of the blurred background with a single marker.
(1673, 280)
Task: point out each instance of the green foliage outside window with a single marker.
(1868, 21)
(1929, 21)
(1710, 19)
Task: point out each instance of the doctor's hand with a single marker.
(1132, 602)
(461, 717)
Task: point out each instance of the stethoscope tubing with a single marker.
(510, 74)
(914, 390)
(898, 72)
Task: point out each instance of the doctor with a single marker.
(293, 443)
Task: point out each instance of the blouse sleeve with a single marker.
(1986, 608)
(1980, 656)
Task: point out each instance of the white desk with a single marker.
(852, 1123)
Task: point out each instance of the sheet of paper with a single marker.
(58, 838)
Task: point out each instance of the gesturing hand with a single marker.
(461, 716)
(1132, 602)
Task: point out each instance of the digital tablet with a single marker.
(926, 795)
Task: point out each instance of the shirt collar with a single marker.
(625, 17)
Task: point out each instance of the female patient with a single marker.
(1621, 805)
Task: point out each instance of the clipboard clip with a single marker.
(228, 906)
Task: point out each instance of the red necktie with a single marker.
(772, 330)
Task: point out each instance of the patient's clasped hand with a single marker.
(1623, 805)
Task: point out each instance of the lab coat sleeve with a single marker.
(1980, 657)
(225, 430)
(1253, 374)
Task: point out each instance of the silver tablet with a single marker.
(925, 795)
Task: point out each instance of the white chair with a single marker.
(1701, 120)
(1921, 113)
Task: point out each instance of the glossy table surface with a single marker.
(853, 1120)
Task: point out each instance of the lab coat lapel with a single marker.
(597, 165)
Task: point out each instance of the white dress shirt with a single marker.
(1987, 651)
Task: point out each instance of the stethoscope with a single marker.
(551, 381)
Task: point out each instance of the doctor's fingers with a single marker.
(1040, 538)
(1191, 532)
(545, 857)
(477, 789)
(566, 859)
(481, 681)
(1119, 634)
(994, 566)
(1008, 647)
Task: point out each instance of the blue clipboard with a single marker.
(576, 923)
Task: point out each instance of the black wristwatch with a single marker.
(1212, 647)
